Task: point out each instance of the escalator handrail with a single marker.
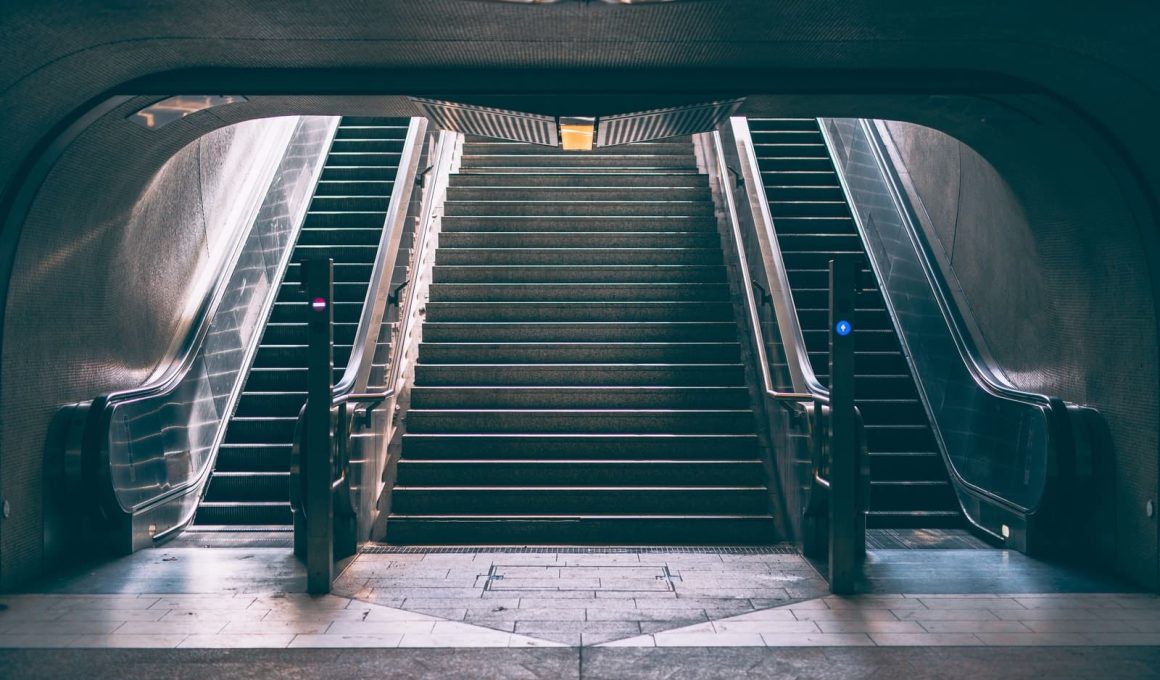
(806, 385)
(95, 444)
(354, 377)
(1054, 410)
(183, 357)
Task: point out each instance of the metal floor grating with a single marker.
(378, 549)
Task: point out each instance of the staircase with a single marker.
(251, 482)
(909, 483)
(579, 379)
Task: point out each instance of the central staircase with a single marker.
(580, 378)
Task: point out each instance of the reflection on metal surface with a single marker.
(532, 128)
(150, 450)
(1000, 444)
(166, 111)
(643, 126)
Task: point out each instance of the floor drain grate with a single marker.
(577, 550)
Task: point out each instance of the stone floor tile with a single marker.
(600, 614)
(766, 615)
(543, 614)
(59, 627)
(1068, 602)
(662, 626)
(1047, 614)
(634, 594)
(170, 627)
(766, 627)
(924, 615)
(382, 641)
(393, 614)
(108, 615)
(1082, 626)
(706, 627)
(843, 614)
(496, 639)
(709, 640)
(926, 639)
(211, 615)
(203, 603)
(1033, 639)
(270, 627)
(970, 603)
(816, 640)
(1117, 639)
(128, 641)
(870, 627)
(378, 628)
(248, 641)
(974, 627)
(433, 612)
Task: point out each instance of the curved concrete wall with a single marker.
(1060, 299)
(106, 278)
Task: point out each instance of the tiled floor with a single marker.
(251, 598)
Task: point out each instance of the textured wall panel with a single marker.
(663, 123)
(488, 122)
(1060, 298)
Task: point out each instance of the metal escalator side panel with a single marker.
(158, 444)
(999, 443)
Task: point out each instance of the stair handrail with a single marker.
(81, 438)
(806, 385)
(1071, 430)
(355, 409)
(440, 163)
(351, 387)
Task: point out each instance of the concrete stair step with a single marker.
(578, 256)
(548, 162)
(572, 208)
(586, 500)
(551, 273)
(580, 374)
(612, 191)
(592, 292)
(747, 473)
(586, 352)
(535, 178)
(590, 421)
(656, 331)
(580, 397)
(574, 446)
(578, 239)
(579, 223)
(717, 530)
(539, 312)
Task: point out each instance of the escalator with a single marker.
(346, 218)
(910, 487)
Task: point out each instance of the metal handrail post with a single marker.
(318, 457)
(845, 551)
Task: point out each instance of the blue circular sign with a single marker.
(843, 328)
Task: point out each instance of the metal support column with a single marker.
(317, 459)
(845, 552)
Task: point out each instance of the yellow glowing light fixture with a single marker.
(576, 133)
